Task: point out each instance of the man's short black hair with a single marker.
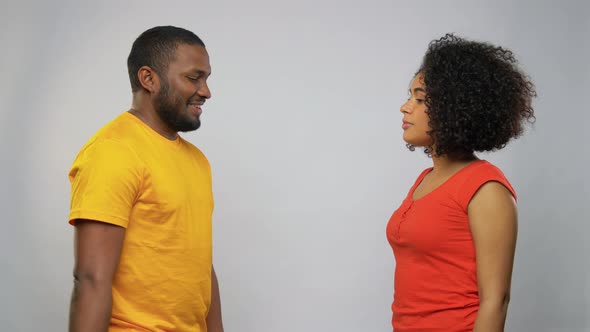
(156, 48)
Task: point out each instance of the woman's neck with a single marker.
(445, 165)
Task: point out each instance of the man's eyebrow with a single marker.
(200, 72)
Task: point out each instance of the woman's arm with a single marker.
(493, 221)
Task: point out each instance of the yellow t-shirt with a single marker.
(160, 191)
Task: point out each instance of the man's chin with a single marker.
(189, 127)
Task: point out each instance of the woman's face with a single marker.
(415, 120)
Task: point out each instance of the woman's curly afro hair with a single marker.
(477, 97)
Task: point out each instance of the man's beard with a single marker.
(173, 111)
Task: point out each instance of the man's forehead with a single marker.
(192, 56)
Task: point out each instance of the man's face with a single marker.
(183, 89)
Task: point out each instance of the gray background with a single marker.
(303, 133)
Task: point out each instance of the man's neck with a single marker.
(144, 110)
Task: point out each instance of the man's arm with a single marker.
(97, 248)
(214, 322)
(493, 222)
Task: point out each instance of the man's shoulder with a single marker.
(117, 135)
(120, 130)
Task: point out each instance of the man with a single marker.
(142, 201)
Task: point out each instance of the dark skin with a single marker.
(493, 222)
(492, 216)
(98, 245)
(97, 248)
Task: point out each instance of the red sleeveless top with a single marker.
(435, 283)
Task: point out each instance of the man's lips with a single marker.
(196, 108)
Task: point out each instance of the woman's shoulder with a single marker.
(475, 176)
(483, 168)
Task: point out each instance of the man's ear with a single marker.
(149, 79)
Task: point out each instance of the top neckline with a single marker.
(445, 183)
(177, 142)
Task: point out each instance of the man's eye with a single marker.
(420, 101)
(192, 78)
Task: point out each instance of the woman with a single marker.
(454, 235)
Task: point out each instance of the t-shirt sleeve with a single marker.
(106, 178)
(477, 179)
